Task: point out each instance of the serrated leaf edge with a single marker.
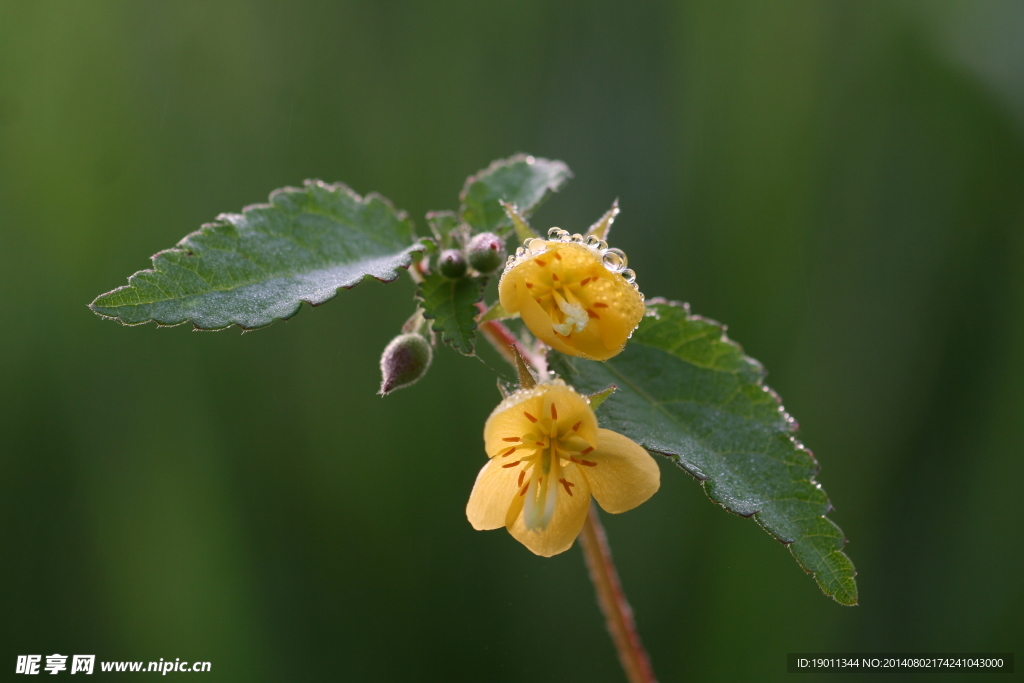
(515, 158)
(223, 219)
(791, 426)
(472, 333)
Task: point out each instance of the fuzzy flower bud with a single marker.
(451, 263)
(405, 359)
(486, 252)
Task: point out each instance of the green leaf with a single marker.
(451, 304)
(442, 224)
(687, 392)
(256, 267)
(521, 180)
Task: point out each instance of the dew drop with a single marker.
(614, 260)
(535, 246)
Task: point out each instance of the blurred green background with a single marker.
(840, 182)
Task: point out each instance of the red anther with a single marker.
(600, 304)
(509, 452)
(540, 262)
(586, 450)
(511, 438)
(558, 256)
(576, 427)
(529, 285)
(529, 417)
(554, 413)
(512, 464)
(523, 492)
(554, 276)
(567, 485)
(522, 473)
(585, 281)
(593, 315)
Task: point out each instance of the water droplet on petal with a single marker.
(615, 260)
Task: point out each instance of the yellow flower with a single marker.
(547, 457)
(573, 293)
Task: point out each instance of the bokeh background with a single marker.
(842, 183)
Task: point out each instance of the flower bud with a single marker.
(405, 359)
(486, 252)
(451, 263)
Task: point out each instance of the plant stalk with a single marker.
(618, 614)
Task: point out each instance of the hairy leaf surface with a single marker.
(687, 392)
(521, 180)
(253, 268)
(451, 304)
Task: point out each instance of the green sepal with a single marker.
(496, 312)
(523, 229)
(526, 378)
(597, 399)
(603, 226)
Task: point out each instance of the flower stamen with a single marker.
(512, 464)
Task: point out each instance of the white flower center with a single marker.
(575, 316)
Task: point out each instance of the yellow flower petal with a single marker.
(624, 475)
(516, 416)
(566, 522)
(538, 321)
(492, 494)
(569, 299)
(547, 457)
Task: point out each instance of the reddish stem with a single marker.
(617, 612)
(610, 596)
(501, 338)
